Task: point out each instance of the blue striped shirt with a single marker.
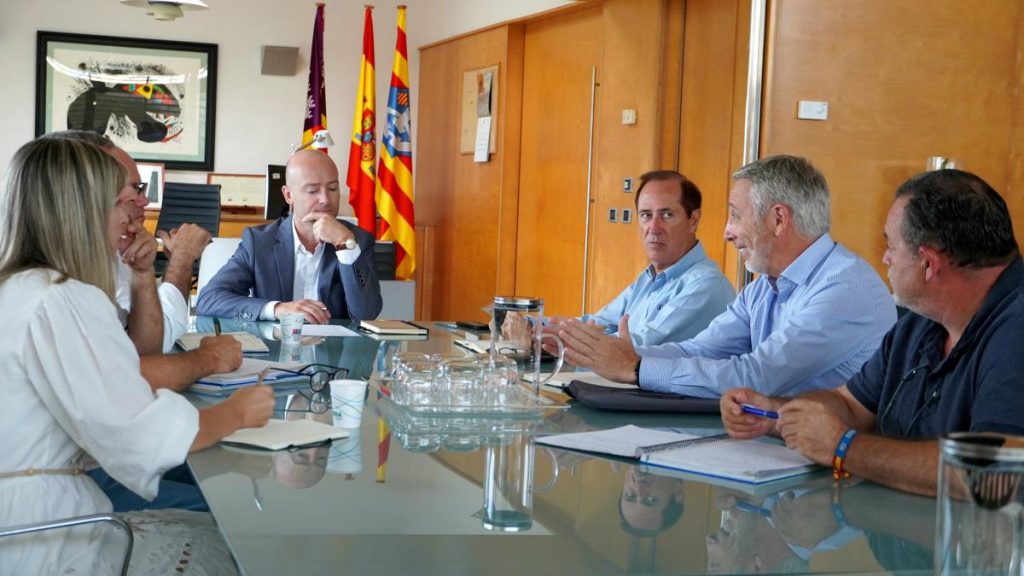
(672, 305)
(810, 328)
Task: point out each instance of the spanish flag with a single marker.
(362, 154)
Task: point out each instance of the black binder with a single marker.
(637, 400)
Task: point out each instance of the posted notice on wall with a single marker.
(483, 139)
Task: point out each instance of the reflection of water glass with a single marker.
(508, 482)
(290, 352)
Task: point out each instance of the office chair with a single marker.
(78, 521)
(216, 254)
(384, 259)
(188, 203)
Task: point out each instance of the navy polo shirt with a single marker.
(915, 392)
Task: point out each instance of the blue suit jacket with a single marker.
(263, 269)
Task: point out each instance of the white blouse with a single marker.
(70, 385)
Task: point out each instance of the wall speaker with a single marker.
(278, 60)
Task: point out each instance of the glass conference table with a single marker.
(413, 501)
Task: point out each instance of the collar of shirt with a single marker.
(799, 271)
(695, 255)
(934, 341)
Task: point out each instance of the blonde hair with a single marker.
(54, 205)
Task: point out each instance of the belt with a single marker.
(43, 472)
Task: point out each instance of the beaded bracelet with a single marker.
(838, 471)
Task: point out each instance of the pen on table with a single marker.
(216, 326)
(747, 408)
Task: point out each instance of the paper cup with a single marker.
(291, 327)
(347, 397)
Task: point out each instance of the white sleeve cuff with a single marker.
(348, 257)
(268, 310)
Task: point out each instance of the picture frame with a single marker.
(240, 191)
(156, 99)
(152, 173)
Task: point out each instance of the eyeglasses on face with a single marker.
(140, 188)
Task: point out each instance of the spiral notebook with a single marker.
(718, 456)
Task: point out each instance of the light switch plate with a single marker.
(627, 184)
(627, 215)
(613, 215)
(812, 110)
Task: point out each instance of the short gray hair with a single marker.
(793, 181)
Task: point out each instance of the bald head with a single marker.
(311, 187)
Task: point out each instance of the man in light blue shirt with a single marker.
(813, 317)
(681, 291)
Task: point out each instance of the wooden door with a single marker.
(559, 56)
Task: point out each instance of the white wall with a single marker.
(447, 18)
(257, 117)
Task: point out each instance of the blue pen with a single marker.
(759, 411)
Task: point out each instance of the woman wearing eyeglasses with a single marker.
(70, 386)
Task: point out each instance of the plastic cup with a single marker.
(347, 397)
(291, 327)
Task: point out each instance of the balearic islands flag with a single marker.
(316, 92)
(394, 182)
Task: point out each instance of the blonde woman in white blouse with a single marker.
(70, 385)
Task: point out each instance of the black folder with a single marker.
(637, 400)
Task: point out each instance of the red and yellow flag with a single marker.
(316, 91)
(394, 186)
(362, 153)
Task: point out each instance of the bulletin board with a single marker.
(472, 96)
(240, 190)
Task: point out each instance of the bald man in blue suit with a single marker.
(309, 262)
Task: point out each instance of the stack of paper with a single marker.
(751, 461)
(250, 342)
(245, 375)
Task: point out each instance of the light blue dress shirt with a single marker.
(811, 328)
(671, 306)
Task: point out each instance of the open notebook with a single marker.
(750, 461)
(251, 343)
(281, 434)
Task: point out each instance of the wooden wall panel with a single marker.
(461, 199)
(630, 76)
(553, 157)
(905, 79)
(711, 126)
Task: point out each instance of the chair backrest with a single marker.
(195, 203)
(384, 259)
(216, 254)
(53, 525)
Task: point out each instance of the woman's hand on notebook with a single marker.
(743, 425)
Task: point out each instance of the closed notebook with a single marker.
(392, 327)
(250, 342)
(750, 461)
(281, 434)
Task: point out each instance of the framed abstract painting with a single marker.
(156, 99)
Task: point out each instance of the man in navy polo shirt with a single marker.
(954, 363)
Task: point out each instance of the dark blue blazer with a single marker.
(263, 269)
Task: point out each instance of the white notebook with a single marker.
(281, 434)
